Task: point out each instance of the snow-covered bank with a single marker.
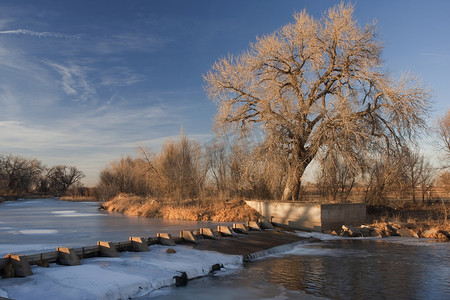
(132, 274)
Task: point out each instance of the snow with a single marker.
(130, 275)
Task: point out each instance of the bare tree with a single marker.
(317, 84)
(443, 131)
(219, 165)
(180, 170)
(336, 179)
(62, 177)
(19, 174)
(413, 171)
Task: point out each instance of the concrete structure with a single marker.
(224, 230)
(247, 245)
(107, 249)
(207, 233)
(139, 244)
(265, 224)
(166, 239)
(252, 225)
(188, 236)
(311, 216)
(20, 265)
(240, 228)
(67, 256)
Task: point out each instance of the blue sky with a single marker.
(84, 82)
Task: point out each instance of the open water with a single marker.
(336, 268)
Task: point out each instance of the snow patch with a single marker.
(74, 213)
(3, 293)
(34, 231)
(130, 275)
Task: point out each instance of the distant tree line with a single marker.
(241, 169)
(20, 176)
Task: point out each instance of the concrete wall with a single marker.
(333, 216)
(309, 216)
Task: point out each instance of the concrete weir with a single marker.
(238, 240)
(311, 216)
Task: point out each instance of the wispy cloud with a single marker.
(44, 34)
(74, 81)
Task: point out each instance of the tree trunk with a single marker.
(293, 184)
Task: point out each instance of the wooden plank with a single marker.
(87, 252)
(123, 246)
(50, 257)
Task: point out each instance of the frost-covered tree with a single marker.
(317, 84)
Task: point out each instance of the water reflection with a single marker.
(366, 269)
(338, 269)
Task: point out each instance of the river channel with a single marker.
(335, 268)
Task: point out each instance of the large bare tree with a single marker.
(317, 84)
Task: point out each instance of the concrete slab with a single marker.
(139, 244)
(188, 236)
(67, 257)
(107, 249)
(166, 239)
(19, 264)
(254, 242)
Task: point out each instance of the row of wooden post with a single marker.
(13, 265)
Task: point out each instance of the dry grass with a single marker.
(220, 211)
(78, 198)
(418, 216)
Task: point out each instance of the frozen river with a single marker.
(30, 225)
(335, 268)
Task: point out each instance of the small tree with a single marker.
(317, 85)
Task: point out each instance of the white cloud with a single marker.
(37, 34)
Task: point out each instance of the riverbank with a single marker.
(78, 198)
(420, 220)
(218, 211)
(406, 219)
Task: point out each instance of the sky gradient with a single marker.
(85, 82)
